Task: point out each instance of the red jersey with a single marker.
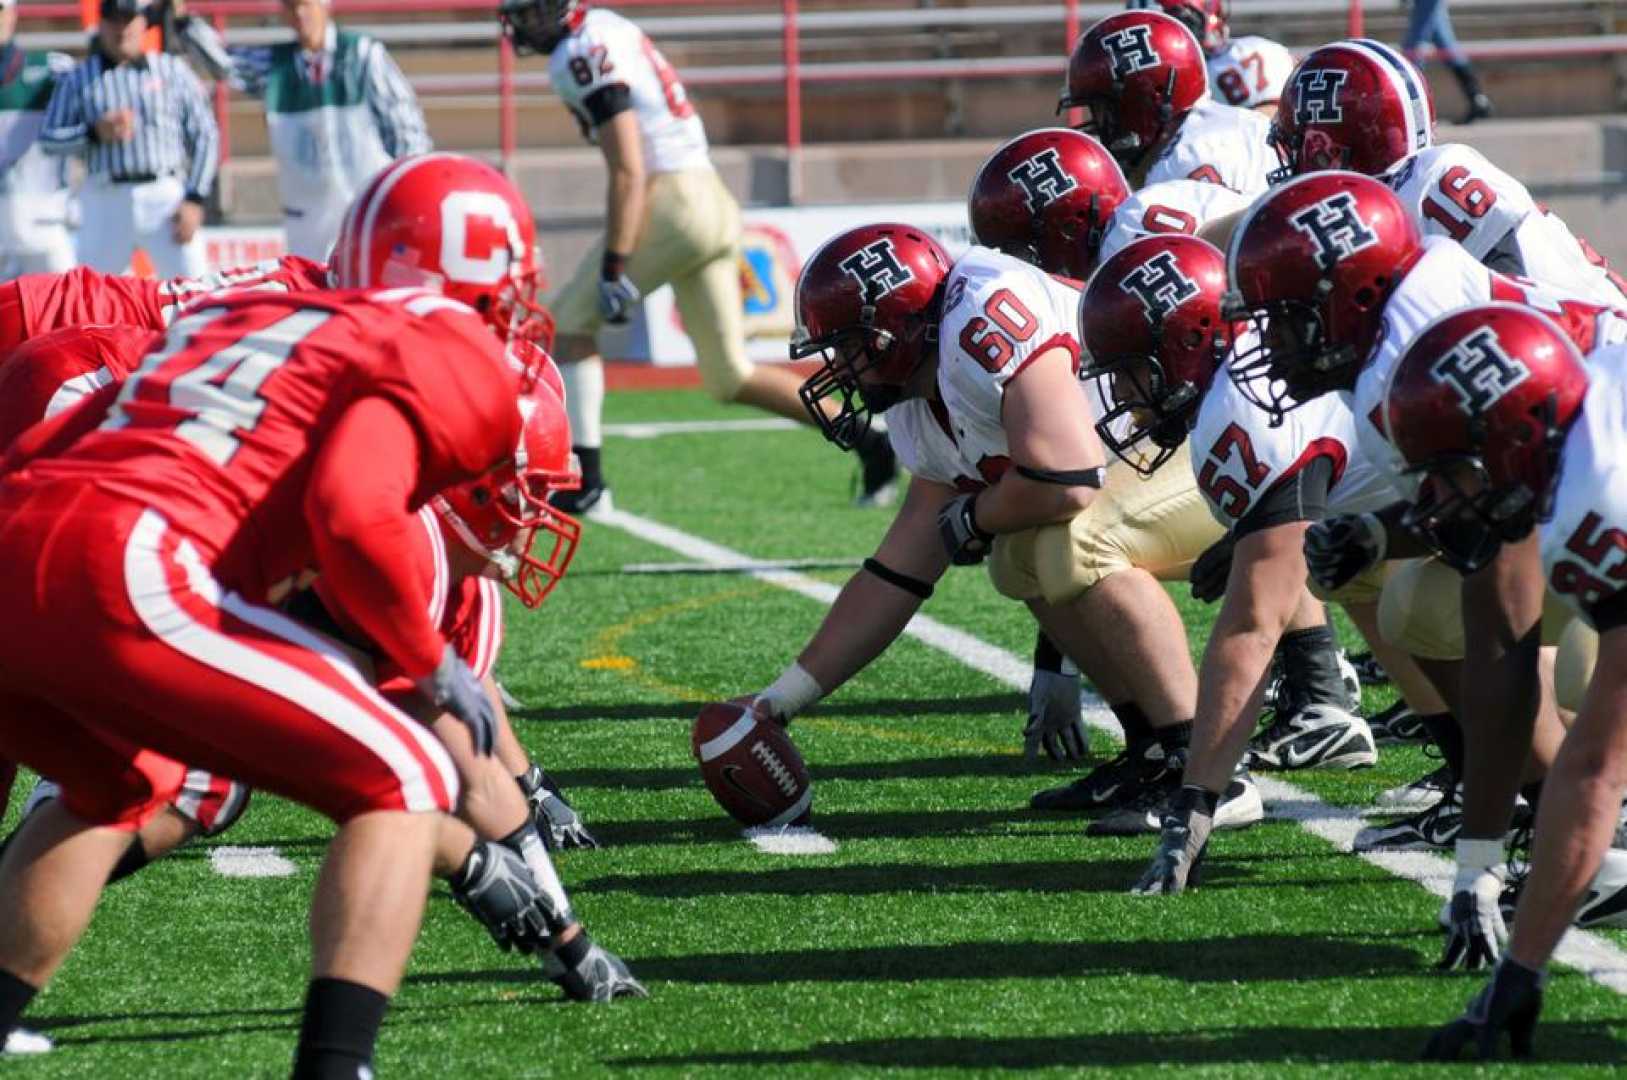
(37, 304)
(49, 373)
(224, 430)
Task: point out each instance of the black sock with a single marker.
(133, 859)
(588, 458)
(1310, 667)
(1137, 728)
(873, 441)
(1047, 657)
(1174, 737)
(1448, 735)
(341, 1024)
(1532, 793)
(14, 998)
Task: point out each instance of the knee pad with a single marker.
(1420, 609)
(1573, 669)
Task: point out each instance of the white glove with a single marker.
(1055, 720)
(617, 293)
(1477, 934)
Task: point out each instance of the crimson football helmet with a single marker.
(1139, 73)
(451, 224)
(1357, 105)
(867, 305)
(1479, 406)
(1150, 322)
(539, 25)
(1046, 197)
(1207, 19)
(1311, 265)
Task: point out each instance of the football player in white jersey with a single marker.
(1517, 448)
(1046, 197)
(1247, 72)
(1361, 105)
(1140, 76)
(1151, 323)
(670, 220)
(33, 187)
(1171, 206)
(974, 364)
(1334, 269)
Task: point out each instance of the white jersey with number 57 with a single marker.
(1220, 144)
(999, 314)
(1451, 190)
(1250, 71)
(1174, 206)
(607, 51)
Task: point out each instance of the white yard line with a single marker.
(250, 862)
(740, 566)
(1598, 959)
(656, 429)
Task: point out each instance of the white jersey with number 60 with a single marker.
(607, 50)
(999, 315)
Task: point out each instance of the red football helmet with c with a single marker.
(501, 516)
(1150, 322)
(868, 303)
(1479, 406)
(1358, 105)
(1207, 19)
(1046, 197)
(1138, 73)
(451, 224)
(1311, 265)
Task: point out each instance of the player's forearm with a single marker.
(1399, 541)
(625, 209)
(866, 618)
(1017, 503)
(509, 750)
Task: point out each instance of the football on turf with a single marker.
(750, 766)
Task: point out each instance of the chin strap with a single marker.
(507, 563)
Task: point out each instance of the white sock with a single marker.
(584, 401)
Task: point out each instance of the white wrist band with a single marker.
(792, 692)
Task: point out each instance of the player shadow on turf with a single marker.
(1556, 1042)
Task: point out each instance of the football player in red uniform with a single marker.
(270, 434)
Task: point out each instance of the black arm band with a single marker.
(1065, 477)
(913, 586)
(605, 103)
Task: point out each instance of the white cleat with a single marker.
(21, 1042)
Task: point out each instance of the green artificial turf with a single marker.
(952, 930)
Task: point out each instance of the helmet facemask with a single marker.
(502, 524)
(1140, 405)
(845, 355)
(1291, 360)
(1462, 516)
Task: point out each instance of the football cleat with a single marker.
(1368, 670)
(1420, 794)
(1136, 769)
(1314, 737)
(878, 473)
(1434, 829)
(1605, 905)
(585, 502)
(1397, 724)
(1239, 807)
(20, 1042)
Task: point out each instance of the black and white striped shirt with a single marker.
(173, 120)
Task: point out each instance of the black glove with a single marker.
(454, 688)
(1210, 572)
(1511, 1002)
(558, 822)
(617, 293)
(1186, 825)
(1340, 547)
(966, 543)
(588, 972)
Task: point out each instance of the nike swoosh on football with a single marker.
(1293, 758)
(728, 778)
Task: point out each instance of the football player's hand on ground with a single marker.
(587, 971)
(556, 819)
(1339, 548)
(1511, 1002)
(1476, 934)
(1181, 845)
(1055, 719)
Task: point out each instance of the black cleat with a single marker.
(1116, 782)
(588, 502)
(878, 479)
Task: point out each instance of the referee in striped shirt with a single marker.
(150, 145)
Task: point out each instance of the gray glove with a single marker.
(587, 971)
(454, 688)
(1511, 1002)
(1477, 934)
(1345, 545)
(617, 293)
(558, 822)
(966, 542)
(1187, 823)
(1212, 568)
(497, 888)
(1055, 722)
